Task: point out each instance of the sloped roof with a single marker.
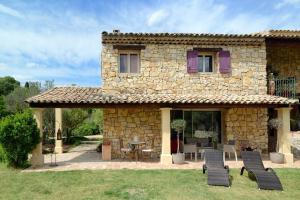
(284, 34)
(196, 38)
(180, 38)
(88, 95)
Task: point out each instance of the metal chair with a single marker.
(191, 148)
(125, 151)
(149, 150)
(229, 148)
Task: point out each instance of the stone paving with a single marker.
(85, 157)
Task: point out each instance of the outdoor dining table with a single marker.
(136, 145)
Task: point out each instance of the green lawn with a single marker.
(137, 184)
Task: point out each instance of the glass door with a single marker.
(198, 124)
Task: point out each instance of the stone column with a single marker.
(284, 134)
(58, 125)
(37, 158)
(165, 157)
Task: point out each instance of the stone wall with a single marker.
(247, 124)
(285, 59)
(125, 123)
(145, 122)
(164, 69)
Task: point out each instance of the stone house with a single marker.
(225, 84)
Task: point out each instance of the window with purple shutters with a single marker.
(192, 61)
(225, 63)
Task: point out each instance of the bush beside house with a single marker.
(19, 135)
(87, 128)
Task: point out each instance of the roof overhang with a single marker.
(84, 97)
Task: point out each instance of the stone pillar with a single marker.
(165, 157)
(58, 125)
(37, 158)
(284, 134)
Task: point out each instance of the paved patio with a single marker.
(85, 157)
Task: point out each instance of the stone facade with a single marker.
(284, 58)
(163, 68)
(125, 123)
(247, 124)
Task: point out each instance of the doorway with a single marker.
(198, 122)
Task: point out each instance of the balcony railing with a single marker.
(284, 87)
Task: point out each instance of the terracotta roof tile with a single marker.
(284, 34)
(85, 95)
(196, 38)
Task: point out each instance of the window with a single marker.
(129, 62)
(205, 63)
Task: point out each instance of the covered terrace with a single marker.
(79, 97)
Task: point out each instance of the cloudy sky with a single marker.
(60, 40)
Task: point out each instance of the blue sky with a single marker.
(61, 40)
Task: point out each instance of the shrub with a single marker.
(294, 125)
(2, 154)
(19, 135)
(87, 128)
(274, 123)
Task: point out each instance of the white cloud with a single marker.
(65, 45)
(60, 42)
(34, 71)
(9, 11)
(283, 3)
(157, 17)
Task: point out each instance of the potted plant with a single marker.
(214, 137)
(276, 157)
(178, 125)
(106, 150)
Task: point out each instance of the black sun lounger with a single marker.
(266, 178)
(217, 173)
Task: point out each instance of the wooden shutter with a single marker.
(192, 61)
(225, 62)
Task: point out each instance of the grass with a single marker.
(137, 184)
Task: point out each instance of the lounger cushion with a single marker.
(267, 180)
(217, 176)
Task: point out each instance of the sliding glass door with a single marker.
(197, 123)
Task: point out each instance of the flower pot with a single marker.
(178, 158)
(277, 157)
(106, 152)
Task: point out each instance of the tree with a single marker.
(7, 85)
(26, 85)
(15, 101)
(48, 85)
(49, 123)
(97, 118)
(3, 111)
(73, 118)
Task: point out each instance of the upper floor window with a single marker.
(129, 62)
(205, 63)
(210, 60)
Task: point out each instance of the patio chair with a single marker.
(149, 150)
(266, 178)
(217, 172)
(191, 149)
(229, 148)
(125, 151)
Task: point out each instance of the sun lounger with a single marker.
(217, 172)
(266, 178)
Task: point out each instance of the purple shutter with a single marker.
(192, 61)
(225, 63)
